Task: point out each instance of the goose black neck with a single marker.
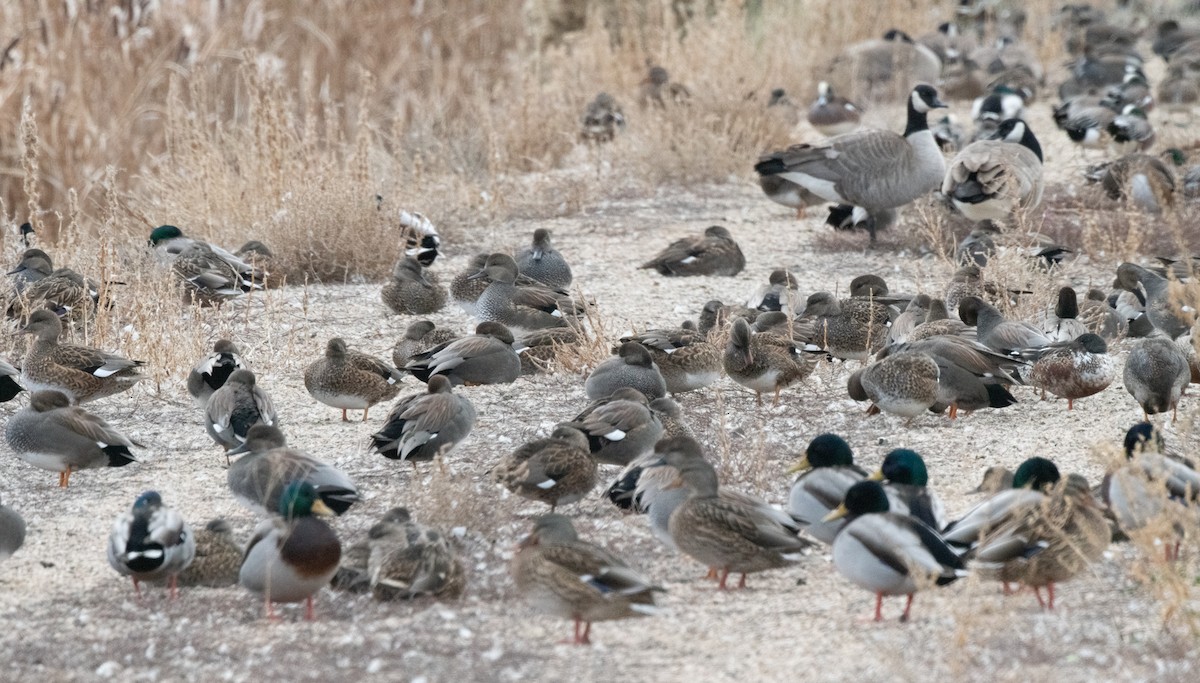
(1030, 142)
(917, 120)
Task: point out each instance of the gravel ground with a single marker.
(70, 617)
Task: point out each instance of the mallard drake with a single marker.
(851, 329)
(407, 560)
(619, 428)
(632, 367)
(150, 542)
(906, 480)
(564, 576)
(542, 262)
(1050, 543)
(875, 170)
(763, 362)
(723, 534)
(218, 557)
(349, 379)
(557, 470)
(293, 555)
(411, 290)
(421, 427)
(52, 434)
(523, 309)
(889, 553)
(1156, 373)
(170, 243)
(214, 370)
(602, 119)
(827, 471)
(12, 531)
(82, 373)
(997, 179)
(686, 359)
(904, 383)
(258, 477)
(9, 388)
(486, 357)
(1074, 369)
(420, 336)
(832, 114)
(236, 407)
(714, 253)
(208, 278)
(1026, 488)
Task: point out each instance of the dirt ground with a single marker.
(69, 616)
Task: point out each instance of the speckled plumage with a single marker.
(557, 470)
(82, 373)
(411, 290)
(349, 379)
(407, 560)
(763, 362)
(850, 329)
(904, 383)
(1156, 373)
(714, 253)
(1074, 369)
(420, 336)
(218, 557)
(542, 262)
(686, 359)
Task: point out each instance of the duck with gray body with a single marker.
(542, 262)
(713, 253)
(686, 359)
(35, 265)
(52, 434)
(81, 373)
(151, 542)
(236, 407)
(258, 477)
(423, 426)
(619, 428)
(420, 336)
(411, 290)
(874, 169)
(633, 367)
(521, 309)
(1154, 293)
(1156, 373)
(486, 357)
(12, 531)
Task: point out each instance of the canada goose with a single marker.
(1131, 132)
(872, 169)
(875, 70)
(832, 114)
(994, 179)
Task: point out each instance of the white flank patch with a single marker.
(615, 435)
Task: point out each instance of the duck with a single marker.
(619, 428)
(1063, 323)
(419, 336)
(557, 470)
(967, 281)
(564, 576)
(64, 292)
(906, 479)
(170, 243)
(258, 477)
(781, 293)
(658, 90)
(1153, 291)
(827, 471)
(602, 119)
(763, 362)
(470, 283)
(1050, 544)
(9, 381)
(1026, 489)
(1008, 337)
(850, 329)
(903, 383)
(261, 260)
(208, 278)
(419, 236)
(999, 178)
(485, 357)
(236, 407)
(522, 309)
(293, 555)
(412, 291)
(406, 560)
(1130, 131)
(81, 373)
(783, 191)
(218, 557)
(1141, 181)
(938, 323)
(832, 114)
(542, 262)
(34, 265)
(872, 169)
(1138, 492)
(421, 427)
(1074, 369)
(970, 376)
(349, 379)
(714, 253)
(913, 314)
(12, 531)
(722, 534)
(1156, 374)
(716, 315)
(886, 552)
(54, 435)
(686, 360)
(151, 542)
(1100, 318)
(214, 370)
(540, 350)
(632, 367)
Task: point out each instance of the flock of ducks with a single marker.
(949, 352)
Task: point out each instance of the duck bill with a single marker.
(320, 509)
(838, 513)
(477, 276)
(238, 449)
(802, 466)
(877, 475)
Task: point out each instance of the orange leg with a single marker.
(269, 609)
(137, 589)
(173, 584)
(879, 607)
(712, 574)
(742, 581)
(776, 402)
(953, 412)
(800, 212)
(308, 610)
(64, 478)
(907, 608)
(1070, 404)
(344, 418)
(721, 584)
